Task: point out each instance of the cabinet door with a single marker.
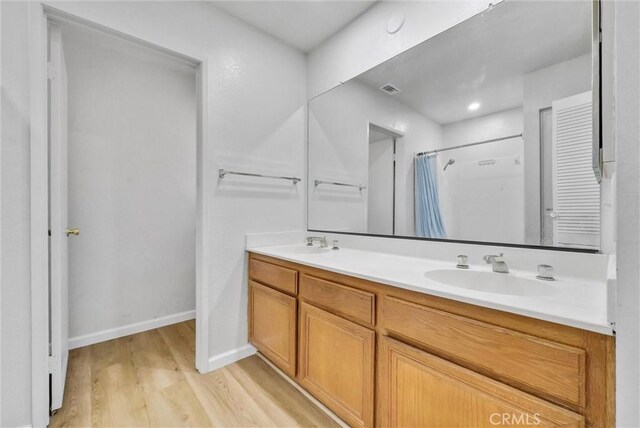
(417, 389)
(336, 364)
(272, 325)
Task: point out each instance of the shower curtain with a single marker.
(428, 221)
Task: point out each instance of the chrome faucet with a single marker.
(497, 262)
(322, 240)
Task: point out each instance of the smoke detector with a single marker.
(390, 89)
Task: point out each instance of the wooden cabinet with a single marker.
(548, 368)
(417, 389)
(337, 364)
(438, 362)
(272, 325)
(355, 305)
(278, 277)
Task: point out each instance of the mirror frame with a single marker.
(596, 87)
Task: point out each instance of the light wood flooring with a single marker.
(149, 379)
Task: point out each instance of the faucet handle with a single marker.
(463, 261)
(545, 273)
(490, 258)
(487, 259)
(335, 245)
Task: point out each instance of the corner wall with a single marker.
(256, 122)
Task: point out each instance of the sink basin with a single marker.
(490, 282)
(303, 249)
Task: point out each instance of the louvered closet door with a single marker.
(576, 193)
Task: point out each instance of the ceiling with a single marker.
(485, 58)
(302, 24)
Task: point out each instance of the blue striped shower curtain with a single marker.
(429, 222)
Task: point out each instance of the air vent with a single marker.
(390, 89)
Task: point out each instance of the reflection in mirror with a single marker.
(482, 133)
(381, 180)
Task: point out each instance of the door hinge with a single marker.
(51, 70)
(54, 364)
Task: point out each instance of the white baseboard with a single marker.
(221, 360)
(126, 330)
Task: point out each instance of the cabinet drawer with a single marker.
(549, 369)
(348, 302)
(417, 389)
(275, 276)
(272, 325)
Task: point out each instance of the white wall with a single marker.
(256, 121)
(14, 247)
(132, 182)
(541, 88)
(365, 43)
(483, 203)
(481, 128)
(626, 100)
(338, 149)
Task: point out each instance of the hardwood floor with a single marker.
(149, 379)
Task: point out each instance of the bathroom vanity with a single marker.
(379, 353)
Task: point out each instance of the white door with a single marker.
(58, 209)
(576, 192)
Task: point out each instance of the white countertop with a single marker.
(574, 302)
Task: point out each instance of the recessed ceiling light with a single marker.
(474, 106)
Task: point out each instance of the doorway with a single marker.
(123, 145)
(381, 182)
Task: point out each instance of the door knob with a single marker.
(73, 231)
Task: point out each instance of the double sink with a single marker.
(475, 280)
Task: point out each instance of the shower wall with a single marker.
(482, 193)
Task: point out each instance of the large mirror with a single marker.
(482, 133)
